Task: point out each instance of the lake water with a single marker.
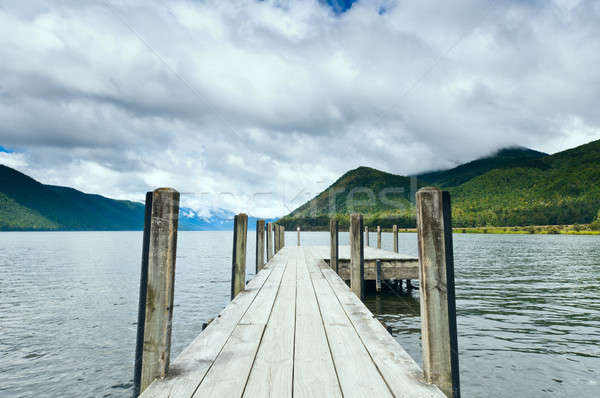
(528, 310)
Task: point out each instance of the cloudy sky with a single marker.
(257, 105)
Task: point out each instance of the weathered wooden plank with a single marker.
(314, 372)
(378, 237)
(269, 241)
(260, 245)
(282, 237)
(438, 306)
(401, 373)
(395, 233)
(229, 373)
(158, 270)
(357, 261)
(334, 244)
(272, 373)
(188, 370)
(238, 260)
(357, 373)
(366, 235)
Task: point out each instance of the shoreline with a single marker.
(582, 229)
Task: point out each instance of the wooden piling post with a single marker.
(269, 241)
(260, 245)
(276, 238)
(357, 259)
(238, 263)
(298, 230)
(438, 303)
(378, 276)
(157, 284)
(379, 237)
(366, 235)
(334, 245)
(395, 233)
(281, 237)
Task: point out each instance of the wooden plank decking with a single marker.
(296, 330)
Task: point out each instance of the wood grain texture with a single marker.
(357, 261)
(378, 237)
(314, 371)
(272, 372)
(269, 241)
(260, 245)
(297, 330)
(356, 371)
(229, 373)
(160, 284)
(395, 233)
(401, 373)
(189, 369)
(333, 244)
(366, 235)
(238, 262)
(438, 320)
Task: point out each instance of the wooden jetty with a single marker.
(394, 266)
(297, 329)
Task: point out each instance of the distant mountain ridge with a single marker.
(507, 157)
(513, 187)
(26, 204)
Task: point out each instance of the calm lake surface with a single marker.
(528, 310)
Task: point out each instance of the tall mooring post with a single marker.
(366, 235)
(395, 233)
(276, 236)
(357, 259)
(281, 237)
(334, 245)
(157, 284)
(238, 262)
(269, 241)
(260, 245)
(298, 230)
(438, 303)
(379, 237)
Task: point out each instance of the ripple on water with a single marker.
(528, 310)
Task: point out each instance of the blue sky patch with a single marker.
(6, 150)
(339, 6)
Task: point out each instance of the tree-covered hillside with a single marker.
(509, 157)
(514, 187)
(26, 204)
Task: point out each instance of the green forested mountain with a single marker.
(514, 187)
(374, 193)
(26, 204)
(504, 158)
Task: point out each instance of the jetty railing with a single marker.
(436, 272)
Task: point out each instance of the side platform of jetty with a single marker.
(297, 329)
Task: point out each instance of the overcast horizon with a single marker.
(257, 106)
